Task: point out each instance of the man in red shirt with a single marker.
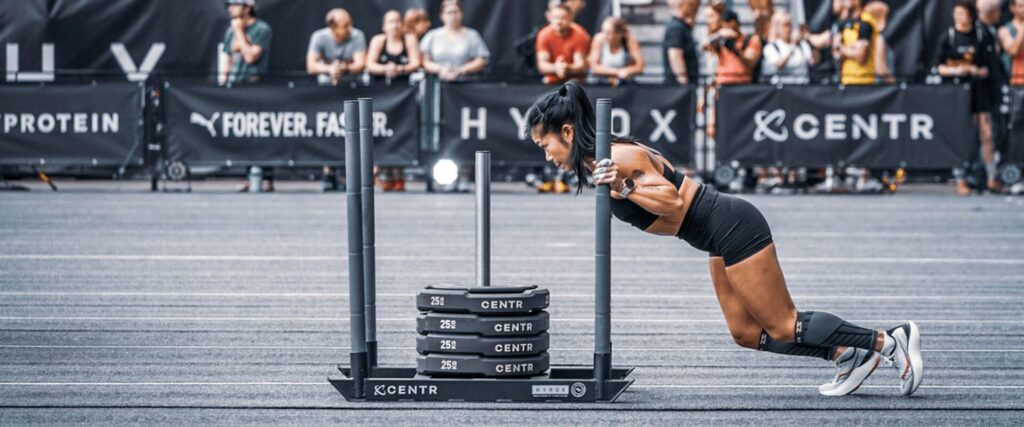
(562, 47)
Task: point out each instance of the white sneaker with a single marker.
(906, 354)
(853, 367)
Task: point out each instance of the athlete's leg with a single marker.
(746, 330)
(759, 283)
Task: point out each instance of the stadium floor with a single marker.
(215, 307)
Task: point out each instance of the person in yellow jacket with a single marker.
(855, 47)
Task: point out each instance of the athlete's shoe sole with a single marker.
(854, 380)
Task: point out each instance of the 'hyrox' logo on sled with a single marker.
(281, 124)
(772, 125)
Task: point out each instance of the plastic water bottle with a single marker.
(255, 179)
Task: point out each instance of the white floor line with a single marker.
(727, 386)
(313, 347)
(635, 386)
(624, 296)
(784, 260)
(411, 319)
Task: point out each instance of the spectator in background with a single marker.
(334, 52)
(884, 59)
(787, 59)
(453, 52)
(827, 69)
(416, 22)
(246, 58)
(246, 44)
(393, 54)
(679, 49)
(562, 47)
(337, 50)
(989, 12)
(737, 53)
(962, 59)
(615, 55)
(988, 18)
(854, 47)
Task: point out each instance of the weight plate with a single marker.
(490, 326)
(476, 366)
(484, 346)
(483, 299)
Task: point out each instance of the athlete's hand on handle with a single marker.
(607, 172)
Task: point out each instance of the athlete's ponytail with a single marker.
(567, 105)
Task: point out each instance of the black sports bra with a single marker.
(385, 57)
(399, 59)
(630, 212)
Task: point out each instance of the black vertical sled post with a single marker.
(356, 299)
(483, 218)
(369, 251)
(603, 256)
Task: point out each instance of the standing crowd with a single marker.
(984, 47)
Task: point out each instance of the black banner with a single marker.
(133, 38)
(281, 126)
(918, 127)
(490, 117)
(70, 124)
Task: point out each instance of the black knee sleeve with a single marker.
(794, 349)
(826, 329)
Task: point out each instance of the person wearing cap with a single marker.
(246, 44)
(337, 50)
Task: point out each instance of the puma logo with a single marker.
(197, 119)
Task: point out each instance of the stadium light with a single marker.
(445, 172)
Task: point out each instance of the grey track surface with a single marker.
(216, 307)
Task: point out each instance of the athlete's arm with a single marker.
(544, 63)
(857, 51)
(651, 190)
(637, 57)
(373, 65)
(250, 52)
(677, 62)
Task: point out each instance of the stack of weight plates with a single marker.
(482, 331)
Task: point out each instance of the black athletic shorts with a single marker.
(724, 226)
